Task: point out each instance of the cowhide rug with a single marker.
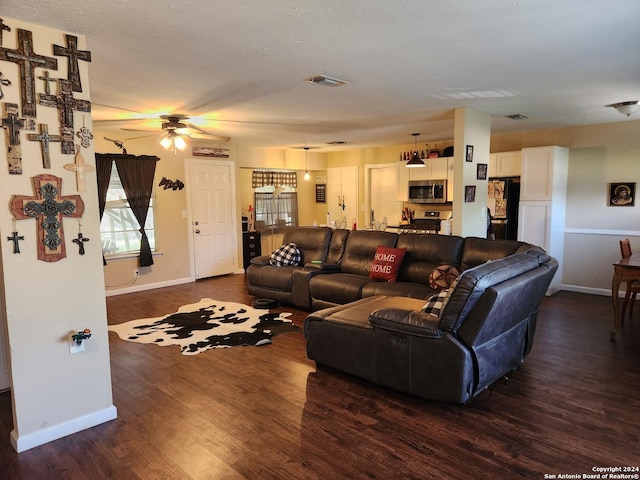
(207, 324)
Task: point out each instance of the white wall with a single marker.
(54, 393)
(598, 155)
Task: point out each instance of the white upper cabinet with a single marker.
(505, 164)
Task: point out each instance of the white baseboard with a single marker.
(590, 290)
(46, 435)
(148, 286)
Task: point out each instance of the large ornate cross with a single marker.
(66, 104)
(27, 60)
(49, 207)
(45, 139)
(13, 123)
(72, 52)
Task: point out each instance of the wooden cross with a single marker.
(49, 207)
(72, 52)
(15, 238)
(3, 28)
(80, 168)
(12, 124)
(80, 242)
(45, 139)
(66, 104)
(27, 60)
(3, 81)
(47, 79)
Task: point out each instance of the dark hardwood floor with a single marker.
(265, 412)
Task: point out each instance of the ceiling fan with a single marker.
(176, 129)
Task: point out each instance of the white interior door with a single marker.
(213, 219)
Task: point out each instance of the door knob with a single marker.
(197, 223)
(197, 230)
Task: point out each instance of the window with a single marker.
(119, 228)
(275, 213)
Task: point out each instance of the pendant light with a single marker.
(307, 175)
(415, 161)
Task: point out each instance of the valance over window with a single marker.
(263, 178)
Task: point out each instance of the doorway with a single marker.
(381, 194)
(212, 217)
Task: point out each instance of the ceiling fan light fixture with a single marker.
(307, 175)
(626, 108)
(415, 161)
(166, 142)
(179, 143)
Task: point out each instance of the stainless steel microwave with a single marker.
(428, 191)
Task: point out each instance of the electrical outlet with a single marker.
(74, 347)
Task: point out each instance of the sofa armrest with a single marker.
(322, 267)
(410, 322)
(261, 260)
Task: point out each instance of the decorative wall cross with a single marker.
(45, 139)
(80, 242)
(27, 60)
(15, 238)
(80, 168)
(66, 104)
(49, 207)
(3, 28)
(84, 134)
(12, 124)
(72, 52)
(47, 80)
(3, 81)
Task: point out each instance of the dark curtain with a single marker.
(104, 163)
(136, 175)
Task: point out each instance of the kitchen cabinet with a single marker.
(342, 194)
(543, 198)
(505, 164)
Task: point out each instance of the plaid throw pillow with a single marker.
(288, 254)
(435, 303)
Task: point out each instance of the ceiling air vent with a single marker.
(517, 116)
(327, 81)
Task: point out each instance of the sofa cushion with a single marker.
(313, 243)
(361, 247)
(386, 263)
(442, 277)
(287, 254)
(426, 252)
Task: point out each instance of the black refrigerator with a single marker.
(503, 199)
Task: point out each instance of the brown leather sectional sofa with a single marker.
(379, 331)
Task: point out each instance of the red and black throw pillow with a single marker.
(442, 277)
(386, 263)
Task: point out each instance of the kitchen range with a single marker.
(428, 222)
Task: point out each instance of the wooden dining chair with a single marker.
(633, 287)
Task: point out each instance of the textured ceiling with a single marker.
(242, 64)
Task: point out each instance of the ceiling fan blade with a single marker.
(208, 136)
(154, 130)
(136, 138)
(201, 133)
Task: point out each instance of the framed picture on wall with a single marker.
(622, 194)
(469, 153)
(482, 171)
(470, 193)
